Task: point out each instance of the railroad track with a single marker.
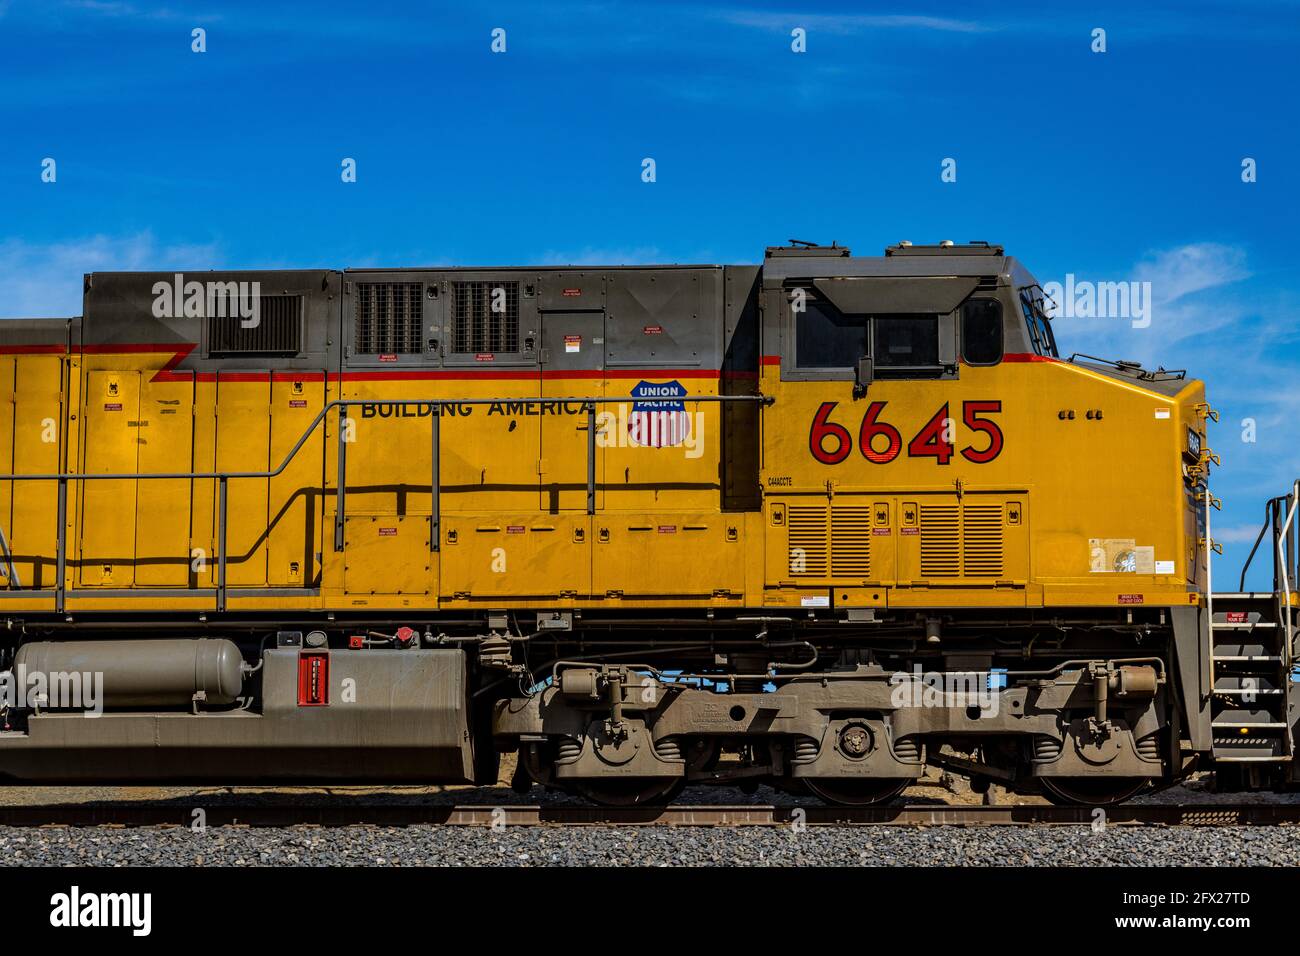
(388, 815)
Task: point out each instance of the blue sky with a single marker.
(1124, 165)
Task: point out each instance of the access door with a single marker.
(573, 366)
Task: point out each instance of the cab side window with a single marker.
(826, 338)
(901, 345)
(906, 346)
(981, 331)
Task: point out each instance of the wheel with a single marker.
(1091, 791)
(633, 792)
(856, 791)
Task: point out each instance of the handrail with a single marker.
(1280, 518)
(342, 404)
(1286, 557)
(1283, 541)
(1268, 519)
(9, 560)
(1209, 581)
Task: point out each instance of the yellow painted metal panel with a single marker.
(389, 453)
(296, 498)
(1082, 445)
(1086, 543)
(692, 555)
(110, 445)
(203, 505)
(489, 452)
(243, 440)
(564, 446)
(37, 444)
(166, 443)
(520, 555)
(387, 554)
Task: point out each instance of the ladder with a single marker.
(1252, 653)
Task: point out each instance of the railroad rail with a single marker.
(744, 815)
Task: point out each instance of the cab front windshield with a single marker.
(1040, 327)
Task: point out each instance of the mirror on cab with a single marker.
(866, 371)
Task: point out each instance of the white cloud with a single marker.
(44, 279)
(1237, 534)
(1175, 273)
(123, 10)
(1189, 298)
(849, 23)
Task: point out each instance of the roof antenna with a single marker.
(804, 243)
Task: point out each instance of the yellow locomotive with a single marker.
(814, 523)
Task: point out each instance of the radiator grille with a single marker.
(940, 548)
(833, 542)
(851, 541)
(808, 539)
(389, 318)
(278, 330)
(965, 541)
(485, 317)
(981, 540)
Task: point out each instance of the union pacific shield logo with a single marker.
(659, 418)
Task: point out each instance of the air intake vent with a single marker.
(981, 540)
(808, 540)
(841, 549)
(485, 317)
(851, 541)
(389, 318)
(965, 541)
(940, 549)
(278, 330)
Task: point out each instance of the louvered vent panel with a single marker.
(981, 543)
(389, 318)
(485, 317)
(851, 541)
(808, 540)
(940, 548)
(278, 330)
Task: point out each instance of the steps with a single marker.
(1251, 668)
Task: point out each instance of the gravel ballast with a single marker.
(424, 845)
(654, 846)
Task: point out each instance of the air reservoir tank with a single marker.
(142, 673)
